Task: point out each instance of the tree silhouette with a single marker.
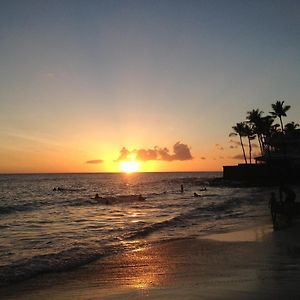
(267, 131)
(277, 142)
(279, 110)
(239, 129)
(291, 127)
(251, 136)
(256, 120)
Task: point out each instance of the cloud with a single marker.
(238, 156)
(234, 142)
(237, 144)
(203, 158)
(241, 156)
(94, 161)
(123, 154)
(164, 154)
(219, 147)
(149, 154)
(180, 152)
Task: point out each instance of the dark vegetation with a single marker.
(275, 140)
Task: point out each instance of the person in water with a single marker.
(141, 198)
(181, 188)
(97, 196)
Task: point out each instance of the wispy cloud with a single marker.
(180, 152)
(94, 161)
(241, 156)
(219, 147)
(234, 142)
(237, 144)
(238, 156)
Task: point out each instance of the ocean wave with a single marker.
(148, 229)
(41, 204)
(55, 262)
(120, 199)
(225, 209)
(9, 209)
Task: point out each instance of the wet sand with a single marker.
(255, 263)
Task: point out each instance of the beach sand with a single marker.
(255, 263)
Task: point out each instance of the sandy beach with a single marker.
(255, 263)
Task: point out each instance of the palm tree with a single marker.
(239, 129)
(267, 130)
(279, 110)
(256, 120)
(251, 136)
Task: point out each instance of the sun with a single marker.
(129, 166)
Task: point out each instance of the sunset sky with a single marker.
(85, 85)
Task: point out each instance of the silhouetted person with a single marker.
(181, 188)
(97, 196)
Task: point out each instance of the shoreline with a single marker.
(253, 263)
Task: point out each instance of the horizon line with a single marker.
(33, 173)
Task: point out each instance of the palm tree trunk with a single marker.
(260, 145)
(281, 123)
(250, 149)
(264, 145)
(243, 149)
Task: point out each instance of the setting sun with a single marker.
(129, 166)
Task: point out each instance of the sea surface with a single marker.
(45, 230)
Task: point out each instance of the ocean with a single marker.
(45, 229)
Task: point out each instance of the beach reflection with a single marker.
(142, 268)
(255, 234)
